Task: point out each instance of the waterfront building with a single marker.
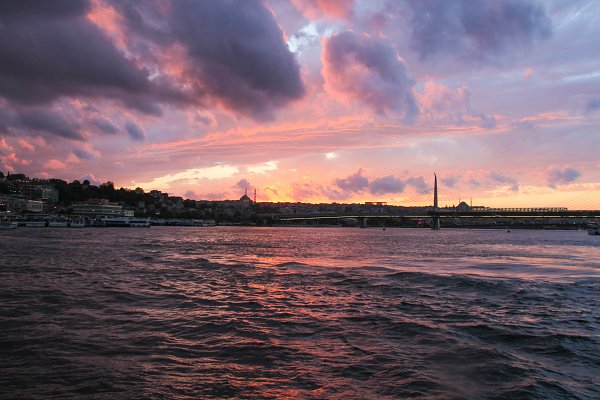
(94, 209)
(19, 204)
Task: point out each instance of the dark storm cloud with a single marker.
(146, 18)
(475, 29)
(135, 131)
(50, 50)
(40, 121)
(235, 51)
(382, 81)
(238, 52)
(83, 155)
(6, 117)
(49, 54)
(60, 8)
(105, 126)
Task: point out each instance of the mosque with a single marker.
(245, 199)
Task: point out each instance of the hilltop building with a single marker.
(245, 199)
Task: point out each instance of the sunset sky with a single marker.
(314, 101)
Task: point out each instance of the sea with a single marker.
(294, 312)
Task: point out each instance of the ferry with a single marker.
(77, 223)
(58, 222)
(35, 223)
(593, 229)
(126, 222)
(139, 222)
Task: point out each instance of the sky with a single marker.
(312, 101)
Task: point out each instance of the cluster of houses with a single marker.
(20, 195)
(23, 195)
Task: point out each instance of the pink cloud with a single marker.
(440, 102)
(8, 157)
(4, 146)
(55, 164)
(317, 9)
(26, 145)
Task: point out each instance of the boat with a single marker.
(77, 223)
(35, 223)
(58, 222)
(593, 229)
(116, 221)
(139, 222)
(8, 224)
(126, 222)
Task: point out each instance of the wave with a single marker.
(184, 322)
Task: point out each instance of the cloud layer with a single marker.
(475, 30)
(390, 184)
(368, 69)
(562, 176)
(499, 97)
(233, 51)
(53, 51)
(233, 54)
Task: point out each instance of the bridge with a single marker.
(434, 214)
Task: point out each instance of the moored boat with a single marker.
(77, 223)
(59, 222)
(35, 223)
(139, 222)
(116, 221)
(126, 222)
(8, 224)
(593, 229)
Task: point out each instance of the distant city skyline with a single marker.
(312, 101)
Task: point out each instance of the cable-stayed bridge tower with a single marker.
(435, 218)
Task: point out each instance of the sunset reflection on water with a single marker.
(300, 313)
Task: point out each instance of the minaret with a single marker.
(254, 195)
(435, 219)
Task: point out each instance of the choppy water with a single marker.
(299, 313)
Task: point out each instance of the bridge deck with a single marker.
(506, 213)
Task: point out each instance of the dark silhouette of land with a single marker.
(21, 195)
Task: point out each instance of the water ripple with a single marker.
(235, 313)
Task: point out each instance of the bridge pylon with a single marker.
(435, 218)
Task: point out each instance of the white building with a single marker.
(98, 209)
(17, 204)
